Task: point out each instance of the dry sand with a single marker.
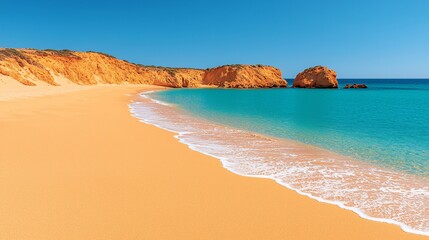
(76, 165)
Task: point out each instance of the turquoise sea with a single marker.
(366, 150)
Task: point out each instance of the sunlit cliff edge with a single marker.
(64, 67)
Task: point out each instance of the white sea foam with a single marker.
(372, 192)
(145, 95)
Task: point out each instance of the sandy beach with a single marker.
(74, 164)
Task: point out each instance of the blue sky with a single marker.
(365, 38)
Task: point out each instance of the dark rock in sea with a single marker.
(355, 86)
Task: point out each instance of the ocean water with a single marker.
(366, 150)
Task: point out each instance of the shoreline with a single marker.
(82, 176)
(179, 136)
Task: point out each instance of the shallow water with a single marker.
(366, 150)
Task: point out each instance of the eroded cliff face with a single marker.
(33, 67)
(52, 67)
(244, 76)
(316, 77)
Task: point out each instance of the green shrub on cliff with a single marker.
(105, 54)
(18, 56)
(10, 52)
(63, 53)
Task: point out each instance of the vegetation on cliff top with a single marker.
(170, 70)
(238, 66)
(61, 53)
(18, 55)
(105, 54)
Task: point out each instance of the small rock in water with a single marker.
(355, 86)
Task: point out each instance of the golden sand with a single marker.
(76, 165)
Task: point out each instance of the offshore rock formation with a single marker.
(61, 67)
(244, 76)
(355, 86)
(316, 77)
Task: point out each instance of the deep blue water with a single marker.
(386, 124)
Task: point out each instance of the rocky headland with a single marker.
(244, 76)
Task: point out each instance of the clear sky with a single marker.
(357, 38)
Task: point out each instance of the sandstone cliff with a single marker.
(244, 76)
(52, 67)
(316, 77)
